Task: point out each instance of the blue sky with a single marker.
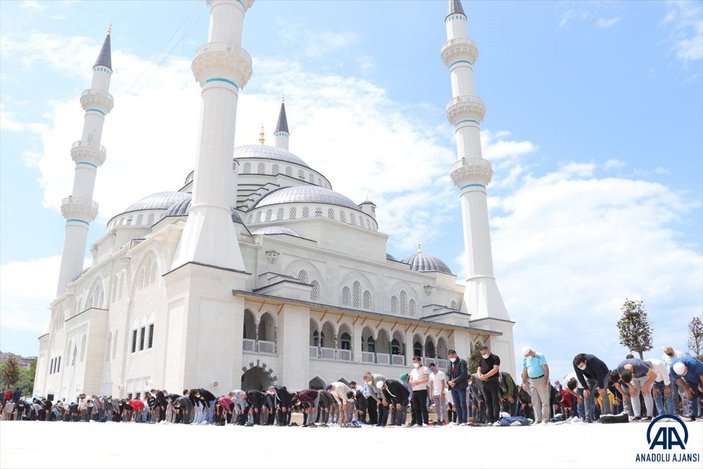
(593, 125)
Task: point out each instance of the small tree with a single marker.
(472, 361)
(635, 332)
(695, 336)
(26, 379)
(10, 373)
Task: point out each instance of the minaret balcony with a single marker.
(245, 3)
(88, 152)
(468, 171)
(97, 99)
(222, 61)
(79, 208)
(455, 50)
(465, 108)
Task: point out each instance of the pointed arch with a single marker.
(267, 327)
(430, 350)
(314, 333)
(383, 343)
(327, 335)
(412, 307)
(368, 300)
(394, 304)
(356, 294)
(418, 345)
(442, 347)
(249, 325)
(403, 302)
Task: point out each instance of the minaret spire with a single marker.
(79, 209)
(223, 68)
(471, 173)
(282, 134)
(262, 136)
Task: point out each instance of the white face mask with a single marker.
(416, 365)
(581, 367)
(452, 359)
(485, 355)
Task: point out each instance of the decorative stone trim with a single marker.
(219, 59)
(88, 152)
(79, 208)
(465, 108)
(459, 49)
(97, 99)
(471, 171)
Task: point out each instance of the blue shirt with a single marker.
(694, 369)
(534, 365)
(639, 367)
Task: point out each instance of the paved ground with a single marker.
(129, 445)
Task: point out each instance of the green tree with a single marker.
(472, 362)
(695, 336)
(26, 380)
(10, 373)
(635, 331)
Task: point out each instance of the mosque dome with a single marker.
(306, 194)
(275, 230)
(158, 201)
(267, 152)
(182, 207)
(421, 262)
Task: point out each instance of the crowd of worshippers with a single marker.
(454, 396)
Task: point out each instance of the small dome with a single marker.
(275, 230)
(158, 201)
(181, 209)
(306, 194)
(267, 152)
(421, 262)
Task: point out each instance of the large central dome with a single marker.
(267, 152)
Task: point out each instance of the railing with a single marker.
(313, 352)
(368, 357)
(398, 360)
(383, 358)
(259, 346)
(327, 353)
(345, 355)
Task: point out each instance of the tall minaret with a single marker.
(471, 174)
(281, 132)
(79, 209)
(222, 68)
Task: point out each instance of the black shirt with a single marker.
(486, 364)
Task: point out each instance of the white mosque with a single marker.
(256, 271)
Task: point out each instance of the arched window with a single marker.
(261, 168)
(411, 307)
(306, 212)
(303, 276)
(370, 344)
(403, 302)
(394, 304)
(293, 214)
(353, 218)
(453, 304)
(315, 291)
(301, 174)
(357, 294)
(330, 213)
(342, 217)
(367, 299)
(345, 341)
(274, 169)
(395, 347)
(279, 214)
(346, 296)
(289, 171)
(150, 219)
(246, 169)
(268, 215)
(417, 349)
(259, 216)
(316, 339)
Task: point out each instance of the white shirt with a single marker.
(439, 381)
(660, 368)
(417, 374)
(340, 392)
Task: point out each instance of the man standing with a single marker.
(438, 383)
(535, 372)
(688, 373)
(458, 381)
(639, 377)
(488, 369)
(419, 380)
(593, 374)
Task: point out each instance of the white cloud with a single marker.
(605, 22)
(8, 121)
(26, 290)
(34, 5)
(613, 164)
(569, 247)
(314, 43)
(685, 20)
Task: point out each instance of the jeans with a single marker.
(590, 401)
(210, 412)
(440, 408)
(459, 399)
(665, 404)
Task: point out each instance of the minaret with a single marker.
(79, 209)
(471, 174)
(222, 68)
(281, 132)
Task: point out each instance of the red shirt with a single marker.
(136, 404)
(568, 399)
